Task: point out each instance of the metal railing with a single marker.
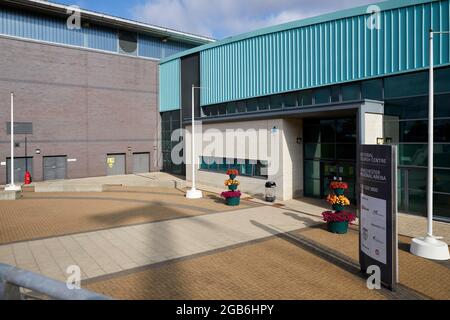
(12, 279)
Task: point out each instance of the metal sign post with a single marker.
(378, 243)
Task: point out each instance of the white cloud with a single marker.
(221, 18)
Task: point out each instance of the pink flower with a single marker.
(338, 216)
(231, 194)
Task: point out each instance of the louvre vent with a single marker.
(128, 43)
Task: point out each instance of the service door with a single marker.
(141, 162)
(55, 167)
(21, 165)
(115, 164)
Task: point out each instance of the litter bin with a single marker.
(271, 191)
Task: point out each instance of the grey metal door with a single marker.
(115, 164)
(21, 164)
(141, 162)
(55, 167)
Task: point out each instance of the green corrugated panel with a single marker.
(169, 85)
(324, 53)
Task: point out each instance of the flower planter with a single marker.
(337, 227)
(232, 187)
(233, 201)
(339, 192)
(338, 207)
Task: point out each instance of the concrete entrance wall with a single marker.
(285, 162)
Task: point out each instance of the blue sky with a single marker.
(215, 18)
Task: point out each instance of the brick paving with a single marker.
(271, 269)
(431, 279)
(39, 215)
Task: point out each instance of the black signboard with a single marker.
(378, 211)
(20, 128)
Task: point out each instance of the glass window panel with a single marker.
(372, 89)
(322, 95)
(351, 92)
(241, 106)
(252, 105)
(290, 100)
(411, 108)
(311, 133)
(442, 156)
(441, 205)
(442, 181)
(312, 188)
(335, 93)
(312, 150)
(442, 105)
(264, 103)
(442, 130)
(261, 169)
(412, 84)
(305, 98)
(327, 131)
(231, 107)
(346, 151)
(328, 151)
(417, 201)
(413, 131)
(346, 130)
(312, 169)
(276, 102)
(442, 80)
(222, 109)
(413, 154)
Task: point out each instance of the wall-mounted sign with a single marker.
(2, 163)
(378, 211)
(20, 128)
(71, 160)
(110, 161)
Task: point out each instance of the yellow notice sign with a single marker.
(110, 162)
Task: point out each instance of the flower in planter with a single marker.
(341, 216)
(231, 194)
(338, 185)
(230, 182)
(233, 172)
(338, 200)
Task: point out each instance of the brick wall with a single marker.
(83, 104)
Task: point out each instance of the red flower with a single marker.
(341, 216)
(232, 171)
(338, 185)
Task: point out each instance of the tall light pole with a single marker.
(12, 186)
(430, 246)
(193, 193)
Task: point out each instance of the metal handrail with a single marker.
(13, 278)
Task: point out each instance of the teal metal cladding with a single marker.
(325, 53)
(169, 84)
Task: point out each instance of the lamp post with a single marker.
(12, 186)
(193, 193)
(430, 246)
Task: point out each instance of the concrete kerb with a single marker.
(9, 195)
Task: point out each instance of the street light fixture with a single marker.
(193, 193)
(12, 186)
(430, 246)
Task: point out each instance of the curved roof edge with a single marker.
(127, 23)
(342, 14)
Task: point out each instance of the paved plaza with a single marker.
(145, 242)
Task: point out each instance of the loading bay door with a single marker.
(115, 164)
(141, 162)
(55, 167)
(21, 164)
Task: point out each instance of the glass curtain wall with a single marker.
(170, 121)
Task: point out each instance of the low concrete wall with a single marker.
(43, 187)
(9, 195)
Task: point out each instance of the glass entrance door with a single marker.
(346, 171)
